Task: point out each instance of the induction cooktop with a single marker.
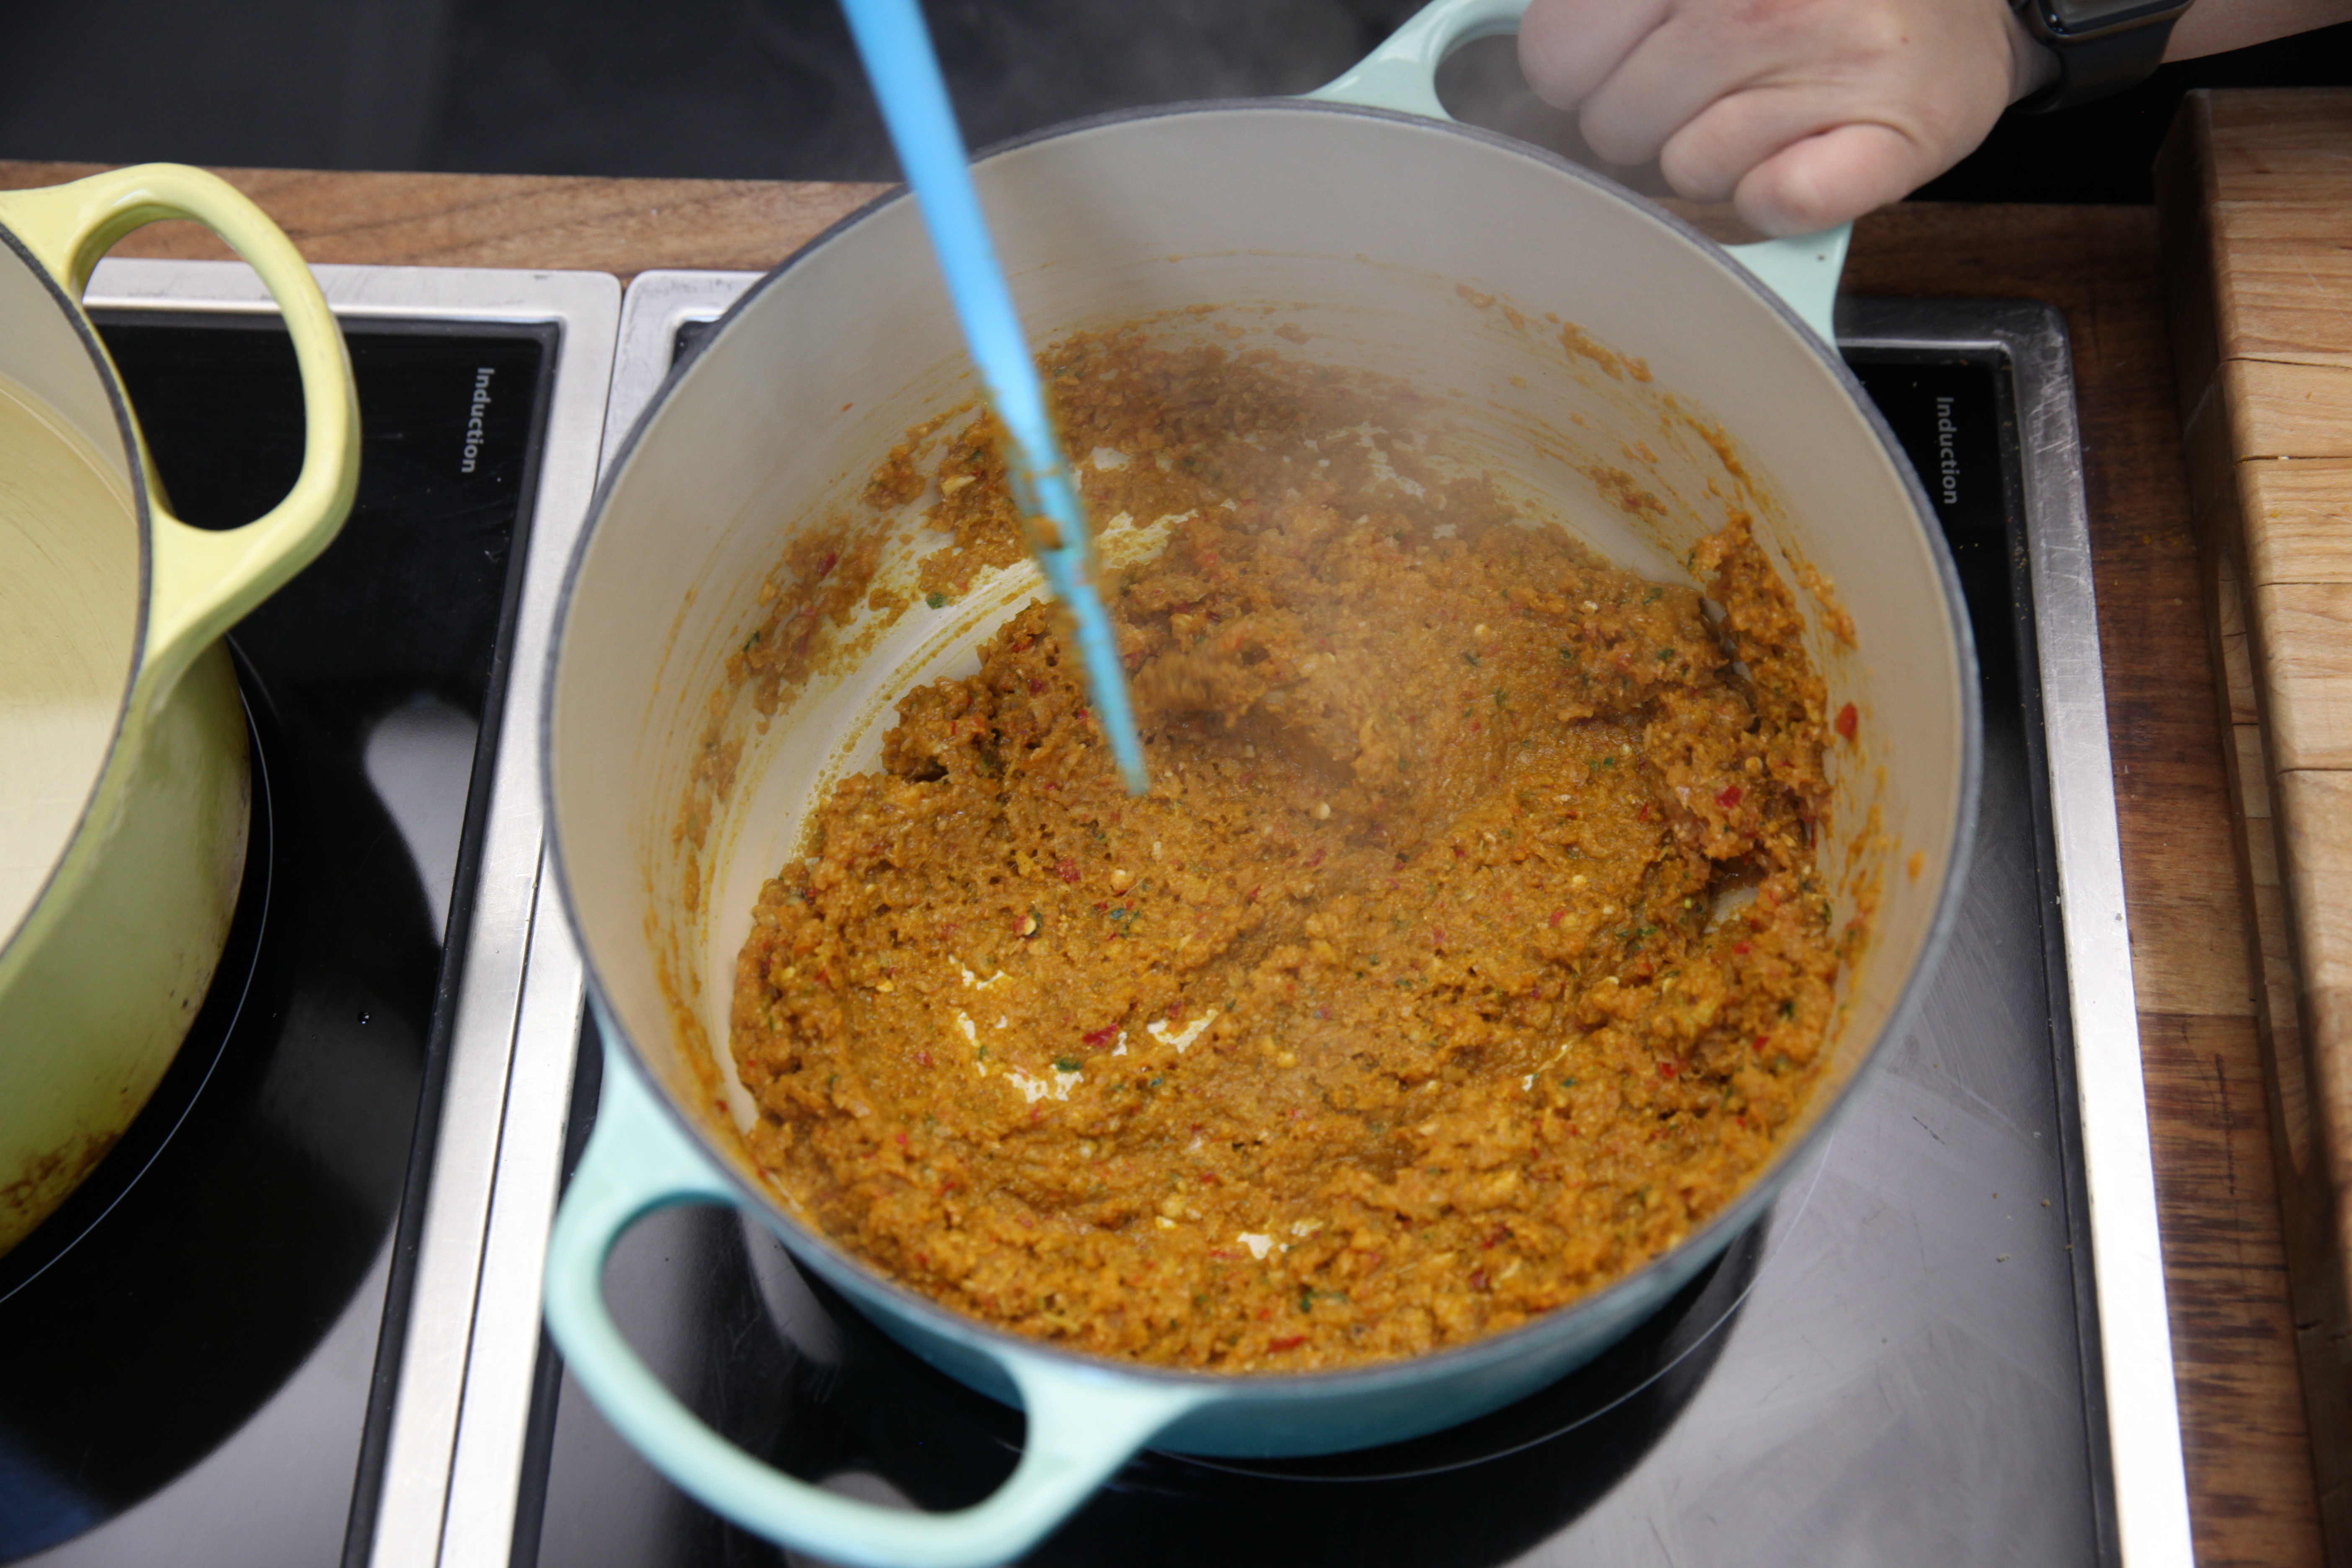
(295, 1316)
(200, 1350)
(1945, 1343)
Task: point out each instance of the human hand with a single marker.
(1803, 113)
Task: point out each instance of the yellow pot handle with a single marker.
(203, 580)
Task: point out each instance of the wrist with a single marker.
(2031, 65)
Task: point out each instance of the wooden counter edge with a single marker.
(624, 226)
(2307, 1154)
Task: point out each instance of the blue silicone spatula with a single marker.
(896, 48)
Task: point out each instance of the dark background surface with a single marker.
(769, 89)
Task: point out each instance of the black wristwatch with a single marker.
(2102, 46)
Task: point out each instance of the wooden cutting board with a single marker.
(2255, 199)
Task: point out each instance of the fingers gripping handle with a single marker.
(1402, 75)
(1082, 1423)
(201, 580)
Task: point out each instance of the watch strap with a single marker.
(2097, 64)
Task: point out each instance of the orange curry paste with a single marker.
(1467, 952)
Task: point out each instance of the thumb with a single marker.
(1831, 178)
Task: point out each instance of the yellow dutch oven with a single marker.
(123, 773)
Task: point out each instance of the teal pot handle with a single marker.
(1083, 1423)
(1402, 75)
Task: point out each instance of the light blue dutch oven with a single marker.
(1354, 214)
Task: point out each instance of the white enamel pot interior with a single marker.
(1358, 226)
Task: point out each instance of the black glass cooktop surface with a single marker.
(189, 1348)
(1896, 1366)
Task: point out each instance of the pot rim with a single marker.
(134, 447)
(821, 1251)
